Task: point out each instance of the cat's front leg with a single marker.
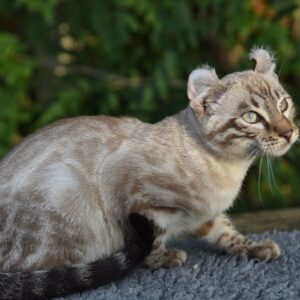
(162, 257)
(221, 232)
(164, 218)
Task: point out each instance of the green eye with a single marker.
(283, 105)
(250, 117)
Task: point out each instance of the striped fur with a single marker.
(222, 233)
(64, 281)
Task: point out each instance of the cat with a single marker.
(66, 190)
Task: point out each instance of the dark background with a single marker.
(63, 58)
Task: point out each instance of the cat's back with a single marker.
(81, 139)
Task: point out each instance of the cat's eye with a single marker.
(283, 105)
(250, 117)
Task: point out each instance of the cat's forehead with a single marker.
(264, 86)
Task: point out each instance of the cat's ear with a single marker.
(202, 82)
(265, 61)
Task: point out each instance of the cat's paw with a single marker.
(265, 250)
(166, 259)
(175, 258)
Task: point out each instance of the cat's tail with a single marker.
(64, 281)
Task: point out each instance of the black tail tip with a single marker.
(143, 227)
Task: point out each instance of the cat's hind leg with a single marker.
(222, 232)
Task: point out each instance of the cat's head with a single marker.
(244, 111)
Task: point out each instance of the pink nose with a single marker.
(287, 134)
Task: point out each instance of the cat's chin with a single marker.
(279, 151)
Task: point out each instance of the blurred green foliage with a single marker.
(63, 58)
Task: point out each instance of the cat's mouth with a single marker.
(278, 147)
(276, 151)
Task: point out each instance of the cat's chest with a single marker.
(210, 194)
(214, 190)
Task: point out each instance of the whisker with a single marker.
(216, 140)
(274, 179)
(269, 176)
(252, 154)
(259, 179)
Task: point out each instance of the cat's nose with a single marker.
(287, 134)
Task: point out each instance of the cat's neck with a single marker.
(192, 129)
(195, 148)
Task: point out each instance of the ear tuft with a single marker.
(200, 80)
(265, 60)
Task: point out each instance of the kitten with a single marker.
(66, 190)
